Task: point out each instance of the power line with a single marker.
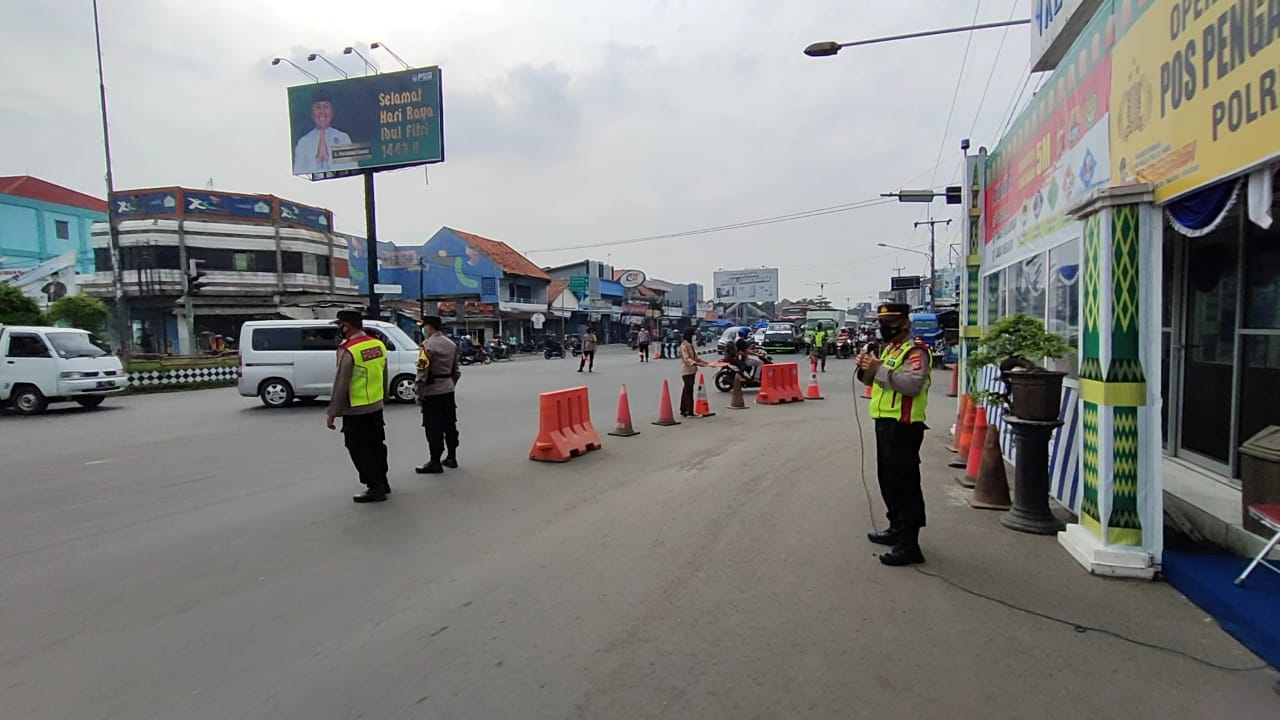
(803, 215)
(991, 75)
(951, 113)
(1008, 114)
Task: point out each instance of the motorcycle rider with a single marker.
(741, 355)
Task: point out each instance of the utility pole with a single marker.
(933, 268)
(822, 287)
(123, 326)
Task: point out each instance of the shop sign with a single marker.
(1194, 91)
(601, 305)
(473, 310)
(1055, 155)
(1055, 24)
(635, 309)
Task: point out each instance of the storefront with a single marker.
(1132, 214)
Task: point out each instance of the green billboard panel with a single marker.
(345, 127)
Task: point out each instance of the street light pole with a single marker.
(829, 48)
(933, 263)
(121, 320)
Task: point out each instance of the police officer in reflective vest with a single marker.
(899, 380)
(358, 392)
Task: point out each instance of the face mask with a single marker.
(888, 332)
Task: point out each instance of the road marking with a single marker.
(98, 462)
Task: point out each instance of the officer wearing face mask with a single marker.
(899, 380)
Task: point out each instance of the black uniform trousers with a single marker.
(366, 439)
(898, 469)
(440, 421)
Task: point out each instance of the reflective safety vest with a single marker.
(887, 403)
(369, 377)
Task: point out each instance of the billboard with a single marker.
(343, 127)
(752, 286)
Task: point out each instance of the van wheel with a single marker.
(90, 401)
(28, 400)
(276, 393)
(402, 389)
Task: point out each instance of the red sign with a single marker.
(474, 310)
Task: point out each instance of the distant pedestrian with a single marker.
(642, 344)
(820, 346)
(899, 380)
(358, 392)
(589, 342)
(689, 364)
(438, 375)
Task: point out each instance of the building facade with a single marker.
(1134, 216)
(225, 257)
(40, 221)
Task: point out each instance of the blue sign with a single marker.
(206, 203)
(144, 204)
(445, 267)
(305, 216)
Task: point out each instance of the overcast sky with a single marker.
(567, 122)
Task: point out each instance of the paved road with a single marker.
(196, 556)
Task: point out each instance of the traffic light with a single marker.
(954, 196)
(195, 279)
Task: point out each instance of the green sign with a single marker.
(580, 283)
(345, 127)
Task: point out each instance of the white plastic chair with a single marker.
(1268, 515)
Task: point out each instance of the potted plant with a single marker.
(1017, 344)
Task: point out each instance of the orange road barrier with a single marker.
(992, 489)
(737, 402)
(701, 405)
(966, 435)
(666, 417)
(779, 383)
(564, 426)
(980, 432)
(623, 427)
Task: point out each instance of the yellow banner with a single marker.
(1195, 91)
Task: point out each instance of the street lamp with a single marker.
(315, 55)
(829, 48)
(120, 311)
(349, 50)
(904, 249)
(277, 61)
(392, 53)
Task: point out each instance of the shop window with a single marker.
(994, 294)
(1259, 378)
(243, 261)
(291, 262)
(62, 229)
(1027, 286)
(1209, 357)
(1062, 314)
(308, 264)
(1262, 279)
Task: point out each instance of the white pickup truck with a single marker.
(40, 365)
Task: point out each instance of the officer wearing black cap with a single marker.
(438, 375)
(358, 391)
(899, 380)
(314, 151)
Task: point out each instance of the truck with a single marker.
(832, 319)
(42, 365)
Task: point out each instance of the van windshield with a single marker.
(76, 344)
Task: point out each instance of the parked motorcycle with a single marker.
(724, 376)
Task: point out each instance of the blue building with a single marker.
(40, 221)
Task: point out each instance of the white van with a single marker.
(284, 360)
(40, 365)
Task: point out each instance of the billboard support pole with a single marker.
(120, 310)
(371, 231)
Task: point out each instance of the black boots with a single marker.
(888, 536)
(906, 551)
(451, 460)
(370, 496)
(431, 467)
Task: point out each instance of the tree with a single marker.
(16, 308)
(80, 311)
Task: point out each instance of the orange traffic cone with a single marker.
(737, 402)
(954, 445)
(966, 436)
(992, 489)
(665, 415)
(980, 431)
(955, 382)
(813, 392)
(701, 404)
(623, 427)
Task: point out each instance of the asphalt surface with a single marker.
(195, 555)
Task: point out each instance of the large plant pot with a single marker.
(1034, 394)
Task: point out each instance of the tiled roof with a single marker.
(556, 287)
(34, 188)
(504, 256)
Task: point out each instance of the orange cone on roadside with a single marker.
(813, 392)
(954, 445)
(701, 404)
(623, 427)
(737, 402)
(666, 417)
(980, 432)
(992, 489)
(966, 436)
